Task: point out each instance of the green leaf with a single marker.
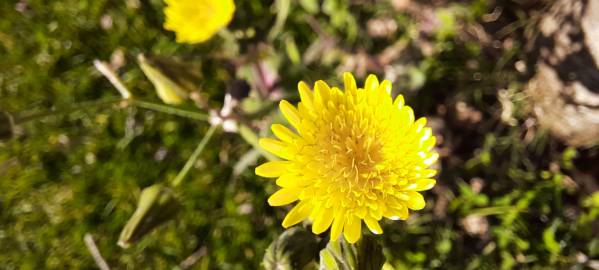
(292, 50)
(311, 6)
(327, 260)
(294, 249)
(282, 10)
(447, 28)
(156, 205)
(592, 201)
(549, 239)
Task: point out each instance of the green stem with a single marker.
(194, 157)
(169, 110)
(81, 106)
(86, 105)
(494, 210)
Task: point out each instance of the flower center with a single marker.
(351, 149)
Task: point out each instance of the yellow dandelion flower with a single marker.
(357, 155)
(196, 21)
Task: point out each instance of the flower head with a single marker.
(357, 155)
(196, 21)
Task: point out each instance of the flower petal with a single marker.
(297, 214)
(322, 220)
(399, 102)
(272, 169)
(338, 223)
(386, 87)
(372, 83)
(431, 159)
(415, 201)
(353, 229)
(290, 112)
(276, 147)
(284, 196)
(306, 95)
(426, 134)
(397, 213)
(349, 83)
(406, 117)
(283, 133)
(429, 143)
(373, 225)
(322, 92)
(421, 184)
(290, 181)
(418, 125)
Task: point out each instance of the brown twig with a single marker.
(193, 258)
(95, 252)
(107, 71)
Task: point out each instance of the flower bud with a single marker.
(173, 80)
(293, 249)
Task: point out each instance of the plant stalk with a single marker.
(194, 157)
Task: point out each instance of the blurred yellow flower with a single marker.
(196, 21)
(357, 156)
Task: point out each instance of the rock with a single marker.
(564, 91)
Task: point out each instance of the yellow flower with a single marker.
(196, 21)
(357, 156)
